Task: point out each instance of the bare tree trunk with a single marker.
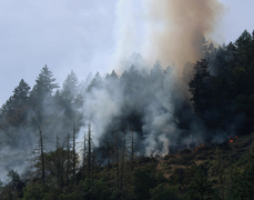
(117, 161)
(89, 152)
(74, 157)
(58, 165)
(62, 167)
(132, 152)
(42, 157)
(93, 160)
(122, 163)
(68, 161)
(84, 156)
(109, 164)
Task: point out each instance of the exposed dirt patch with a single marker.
(198, 162)
(164, 164)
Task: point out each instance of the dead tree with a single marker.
(84, 155)
(74, 153)
(109, 152)
(62, 167)
(132, 151)
(122, 162)
(58, 161)
(89, 152)
(68, 161)
(42, 157)
(92, 172)
(116, 150)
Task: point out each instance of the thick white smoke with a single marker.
(168, 30)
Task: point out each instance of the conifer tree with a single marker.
(200, 188)
(41, 91)
(44, 83)
(21, 94)
(16, 108)
(70, 86)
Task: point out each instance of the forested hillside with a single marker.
(144, 134)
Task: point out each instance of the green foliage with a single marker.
(143, 181)
(45, 82)
(96, 189)
(221, 86)
(36, 191)
(218, 163)
(15, 110)
(200, 188)
(13, 177)
(162, 192)
(183, 177)
(243, 184)
(70, 87)
(72, 196)
(116, 195)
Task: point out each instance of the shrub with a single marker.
(161, 192)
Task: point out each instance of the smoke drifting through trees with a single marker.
(152, 103)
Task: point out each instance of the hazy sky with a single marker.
(82, 35)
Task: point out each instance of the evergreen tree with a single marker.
(243, 184)
(243, 77)
(96, 82)
(41, 95)
(70, 87)
(200, 188)
(45, 83)
(200, 88)
(21, 94)
(16, 108)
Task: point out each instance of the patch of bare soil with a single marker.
(161, 167)
(198, 162)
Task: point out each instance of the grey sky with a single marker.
(82, 35)
(63, 34)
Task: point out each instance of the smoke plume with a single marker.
(154, 103)
(176, 29)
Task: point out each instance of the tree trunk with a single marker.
(42, 157)
(122, 163)
(89, 152)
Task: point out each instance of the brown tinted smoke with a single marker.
(178, 26)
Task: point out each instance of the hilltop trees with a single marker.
(200, 187)
(41, 94)
(44, 84)
(148, 102)
(200, 86)
(222, 90)
(70, 86)
(43, 106)
(16, 108)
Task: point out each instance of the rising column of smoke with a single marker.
(174, 34)
(130, 34)
(176, 29)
